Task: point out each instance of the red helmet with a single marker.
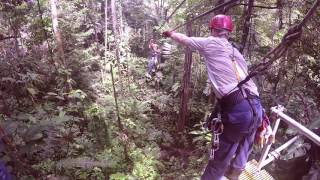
(221, 22)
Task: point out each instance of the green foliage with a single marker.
(118, 176)
(62, 118)
(144, 166)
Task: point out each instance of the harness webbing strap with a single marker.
(234, 64)
(236, 70)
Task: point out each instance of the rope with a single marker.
(293, 33)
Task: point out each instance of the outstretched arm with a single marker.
(180, 38)
(192, 42)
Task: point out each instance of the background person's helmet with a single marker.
(221, 22)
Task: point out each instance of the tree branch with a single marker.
(2, 38)
(258, 6)
(255, 6)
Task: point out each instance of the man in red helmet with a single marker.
(241, 110)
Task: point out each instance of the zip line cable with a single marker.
(197, 17)
(205, 13)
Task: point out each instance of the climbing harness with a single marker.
(292, 34)
(243, 92)
(289, 38)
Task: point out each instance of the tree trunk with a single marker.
(183, 117)
(105, 41)
(115, 29)
(247, 24)
(56, 31)
(122, 133)
(117, 38)
(121, 26)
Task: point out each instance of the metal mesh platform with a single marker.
(251, 172)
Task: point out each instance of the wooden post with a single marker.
(184, 113)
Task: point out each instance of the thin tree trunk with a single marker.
(105, 41)
(116, 37)
(15, 36)
(183, 117)
(115, 29)
(120, 125)
(57, 34)
(121, 26)
(161, 9)
(156, 6)
(280, 13)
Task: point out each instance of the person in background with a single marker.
(153, 57)
(240, 108)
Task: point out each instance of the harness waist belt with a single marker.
(234, 98)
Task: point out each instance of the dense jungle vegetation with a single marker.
(76, 102)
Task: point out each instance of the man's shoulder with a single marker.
(202, 40)
(215, 40)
